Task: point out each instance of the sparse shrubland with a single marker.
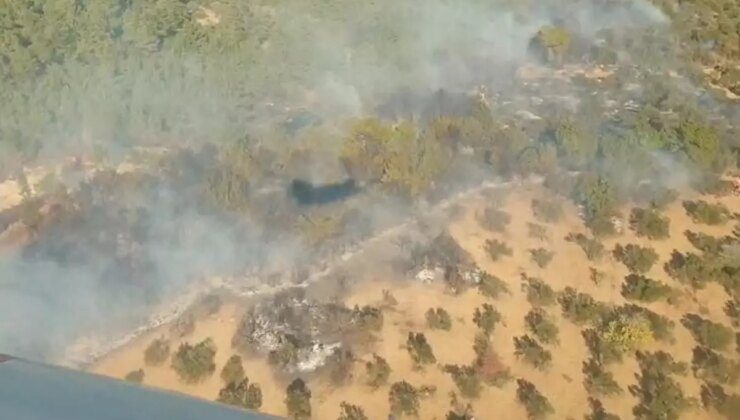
(494, 219)
(298, 400)
(466, 379)
(233, 371)
(404, 399)
(660, 396)
(547, 211)
(711, 366)
(598, 381)
(378, 371)
(241, 393)
(580, 308)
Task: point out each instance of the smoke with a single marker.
(107, 268)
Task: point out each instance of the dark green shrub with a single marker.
(660, 397)
(419, 349)
(351, 412)
(378, 371)
(541, 256)
(486, 318)
(691, 269)
(491, 286)
(636, 258)
(368, 318)
(404, 399)
(540, 324)
(707, 243)
(195, 362)
(708, 333)
(538, 292)
(538, 232)
(241, 394)
(593, 249)
(661, 327)
(157, 352)
(712, 366)
(637, 287)
(438, 319)
(709, 214)
(599, 381)
(497, 249)
(604, 352)
(467, 380)
(714, 396)
(298, 400)
(494, 219)
(233, 371)
(549, 211)
(598, 412)
(135, 376)
(536, 404)
(580, 308)
(649, 223)
(532, 352)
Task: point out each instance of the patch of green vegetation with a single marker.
(494, 219)
(641, 288)
(419, 349)
(636, 258)
(486, 318)
(497, 249)
(438, 319)
(580, 308)
(298, 400)
(404, 399)
(378, 371)
(538, 292)
(649, 223)
(593, 249)
(157, 352)
(135, 376)
(708, 333)
(491, 286)
(351, 412)
(701, 211)
(599, 381)
(529, 350)
(536, 404)
(541, 256)
(241, 393)
(194, 363)
(541, 325)
(660, 396)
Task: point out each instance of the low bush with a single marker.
(660, 396)
(536, 404)
(580, 308)
(540, 324)
(195, 362)
(602, 351)
(593, 249)
(378, 371)
(491, 286)
(494, 219)
(541, 256)
(598, 412)
(637, 287)
(649, 223)
(351, 412)
(714, 367)
(403, 399)
(438, 319)
(497, 249)
(241, 394)
(466, 379)
(157, 352)
(233, 371)
(538, 292)
(708, 333)
(636, 258)
(538, 232)
(701, 211)
(598, 381)
(135, 376)
(298, 400)
(528, 349)
(486, 318)
(549, 211)
(707, 243)
(419, 349)
(691, 269)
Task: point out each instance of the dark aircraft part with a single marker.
(33, 391)
(308, 195)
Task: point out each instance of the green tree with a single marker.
(532, 352)
(636, 258)
(497, 249)
(157, 352)
(378, 371)
(233, 371)
(404, 399)
(486, 318)
(708, 333)
(649, 223)
(539, 323)
(438, 319)
(135, 376)
(538, 292)
(351, 412)
(241, 393)
(419, 349)
(599, 381)
(536, 404)
(298, 400)
(541, 256)
(195, 362)
(491, 286)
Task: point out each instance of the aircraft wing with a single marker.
(34, 391)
